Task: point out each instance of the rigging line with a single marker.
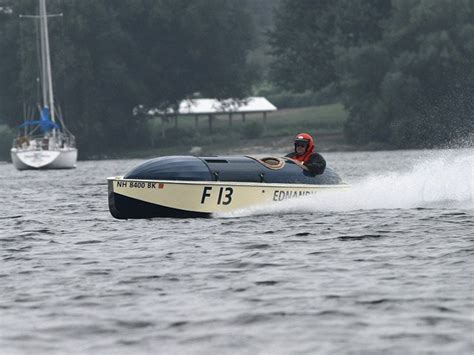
(37, 17)
(62, 74)
(33, 131)
(38, 58)
(59, 81)
(60, 116)
(36, 127)
(31, 112)
(22, 65)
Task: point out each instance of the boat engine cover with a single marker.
(231, 169)
(186, 168)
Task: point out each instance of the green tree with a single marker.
(303, 44)
(263, 16)
(10, 85)
(404, 68)
(419, 90)
(308, 36)
(109, 57)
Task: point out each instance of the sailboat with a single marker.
(44, 143)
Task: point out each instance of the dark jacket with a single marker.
(315, 164)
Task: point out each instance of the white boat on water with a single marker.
(44, 143)
(186, 186)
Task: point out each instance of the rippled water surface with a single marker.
(386, 266)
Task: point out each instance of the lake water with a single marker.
(384, 267)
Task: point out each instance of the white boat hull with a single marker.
(44, 159)
(130, 198)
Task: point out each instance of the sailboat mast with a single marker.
(44, 80)
(46, 54)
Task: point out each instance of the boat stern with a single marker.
(126, 201)
(33, 159)
(112, 200)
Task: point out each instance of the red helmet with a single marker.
(307, 140)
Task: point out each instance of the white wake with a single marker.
(444, 181)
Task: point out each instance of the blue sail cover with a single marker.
(44, 122)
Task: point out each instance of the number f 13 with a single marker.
(224, 197)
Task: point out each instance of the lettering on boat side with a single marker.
(137, 184)
(285, 195)
(224, 195)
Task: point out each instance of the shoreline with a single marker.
(326, 142)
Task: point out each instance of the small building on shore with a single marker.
(211, 108)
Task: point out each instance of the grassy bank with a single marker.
(324, 122)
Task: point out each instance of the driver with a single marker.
(306, 155)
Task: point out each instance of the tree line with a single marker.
(111, 56)
(404, 69)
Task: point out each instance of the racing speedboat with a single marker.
(188, 186)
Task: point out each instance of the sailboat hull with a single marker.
(44, 159)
